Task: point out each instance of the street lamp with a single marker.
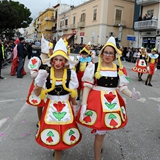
(120, 33)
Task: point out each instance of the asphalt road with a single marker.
(139, 140)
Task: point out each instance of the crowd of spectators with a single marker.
(146, 17)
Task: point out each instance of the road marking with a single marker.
(12, 100)
(10, 127)
(156, 99)
(142, 100)
(2, 121)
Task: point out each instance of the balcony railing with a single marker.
(47, 29)
(48, 19)
(144, 25)
(53, 18)
(147, 2)
(81, 24)
(119, 22)
(38, 22)
(73, 26)
(59, 29)
(65, 27)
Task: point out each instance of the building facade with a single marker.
(44, 24)
(96, 21)
(147, 26)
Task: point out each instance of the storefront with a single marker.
(149, 42)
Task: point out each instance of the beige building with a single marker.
(96, 21)
(148, 28)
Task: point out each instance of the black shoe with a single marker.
(149, 84)
(19, 76)
(1, 77)
(146, 83)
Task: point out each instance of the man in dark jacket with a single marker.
(21, 56)
(2, 57)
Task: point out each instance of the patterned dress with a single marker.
(106, 109)
(141, 66)
(58, 129)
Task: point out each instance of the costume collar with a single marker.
(87, 59)
(154, 56)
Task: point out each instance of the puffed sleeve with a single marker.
(73, 83)
(88, 77)
(124, 79)
(33, 65)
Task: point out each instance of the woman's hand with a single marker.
(41, 77)
(135, 94)
(83, 110)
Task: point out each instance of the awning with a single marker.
(67, 36)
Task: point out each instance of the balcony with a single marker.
(73, 26)
(59, 29)
(116, 23)
(146, 25)
(146, 2)
(38, 22)
(65, 27)
(54, 19)
(48, 19)
(47, 29)
(81, 24)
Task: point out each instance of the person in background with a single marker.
(2, 56)
(141, 64)
(103, 108)
(36, 49)
(21, 57)
(15, 62)
(152, 61)
(29, 49)
(84, 60)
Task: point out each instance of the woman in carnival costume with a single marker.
(58, 129)
(102, 107)
(84, 60)
(141, 65)
(152, 61)
(36, 63)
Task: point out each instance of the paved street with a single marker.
(139, 140)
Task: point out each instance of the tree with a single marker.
(13, 15)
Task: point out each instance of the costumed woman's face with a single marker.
(108, 54)
(58, 62)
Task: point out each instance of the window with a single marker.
(74, 20)
(61, 23)
(150, 12)
(56, 13)
(83, 15)
(94, 14)
(118, 15)
(66, 22)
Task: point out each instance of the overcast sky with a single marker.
(36, 6)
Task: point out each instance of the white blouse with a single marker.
(88, 77)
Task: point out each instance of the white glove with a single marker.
(83, 110)
(135, 94)
(41, 77)
(34, 73)
(74, 110)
